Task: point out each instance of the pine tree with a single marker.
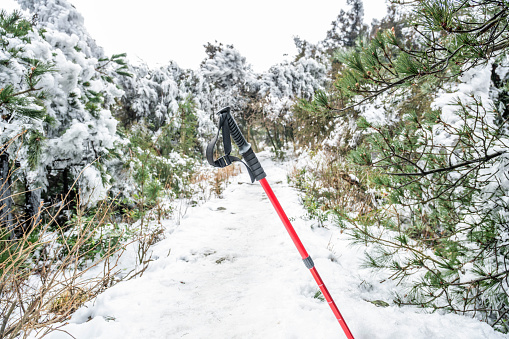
(22, 111)
(447, 39)
(78, 99)
(347, 27)
(55, 100)
(435, 150)
(63, 17)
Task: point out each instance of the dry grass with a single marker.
(47, 274)
(50, 270)
(38, 290)
(333, 185)
(215, 180)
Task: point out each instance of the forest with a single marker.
(399, 129)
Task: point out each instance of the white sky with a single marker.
(158, 31)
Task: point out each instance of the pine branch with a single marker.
(405, 79)
(475, 281)
(424, 173)
(26, 91)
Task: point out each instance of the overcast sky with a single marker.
(158, 31)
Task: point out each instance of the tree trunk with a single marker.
(252, 139)
(6, 220)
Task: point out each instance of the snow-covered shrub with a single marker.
(445, 172)
(226, 67)
(287, 82)
(433, 144)
(57, 94)
(158, 164)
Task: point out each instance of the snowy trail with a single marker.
(230, 270)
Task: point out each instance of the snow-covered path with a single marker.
(230, 270)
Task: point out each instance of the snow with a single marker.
(475, 81)
(230, 270)
(78, 135)
(92, 186)
(226, 269)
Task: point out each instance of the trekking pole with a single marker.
(228, 126)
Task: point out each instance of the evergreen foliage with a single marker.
(58, 99)
(418, 172)
(347, 27)
(445, 209)
(446, 38)
(428, 96)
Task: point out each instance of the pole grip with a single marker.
(237, 135)
(235, 132)
(254, 164)
(244, 147)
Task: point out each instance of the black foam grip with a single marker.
(254, 164)
(235, 132)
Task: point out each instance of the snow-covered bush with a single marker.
(57, 95)
(433, 154)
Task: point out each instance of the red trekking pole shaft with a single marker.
(305, 256)
(229, 127)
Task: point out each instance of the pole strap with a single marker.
(226, 159)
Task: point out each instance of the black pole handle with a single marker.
(244, 147)
(235, 132)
